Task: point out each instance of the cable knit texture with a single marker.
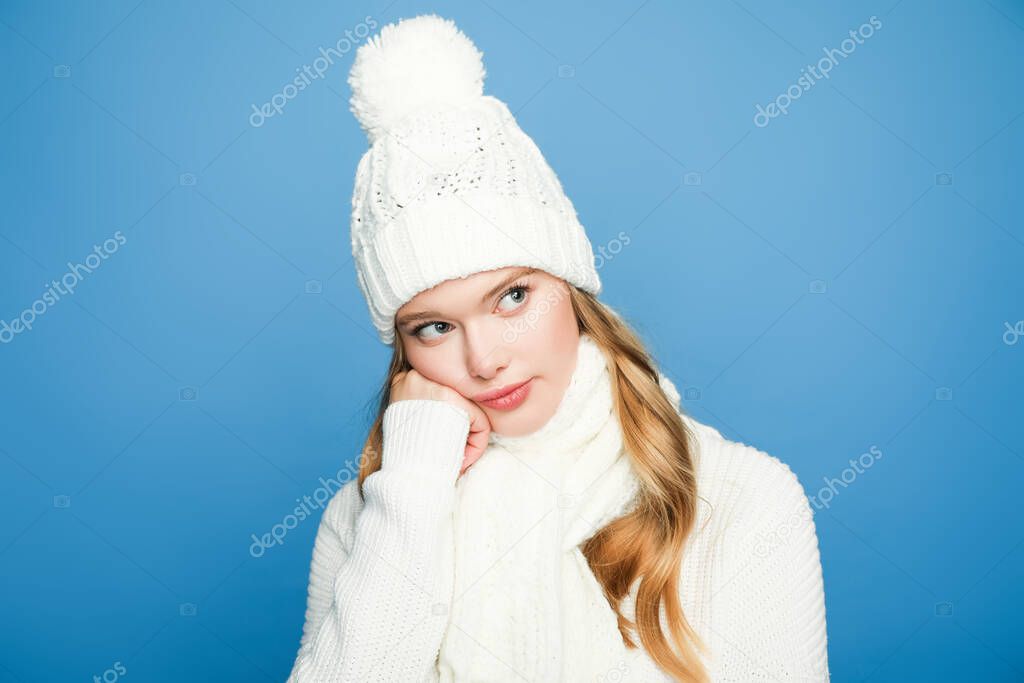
(435, 577)
(450, 185)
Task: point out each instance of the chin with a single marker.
(517, 423)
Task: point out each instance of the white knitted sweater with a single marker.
(440, 578)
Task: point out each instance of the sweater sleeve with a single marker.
(381, 576)
(770, 604)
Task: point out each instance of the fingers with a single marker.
(476, 441)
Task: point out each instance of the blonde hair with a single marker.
(646, 543)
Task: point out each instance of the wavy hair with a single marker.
(647, 543)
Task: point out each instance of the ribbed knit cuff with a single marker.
(425, 434)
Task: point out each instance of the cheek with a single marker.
(555, 320)
(435, 365)
(550, 339)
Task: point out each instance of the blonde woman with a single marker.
(532, 503)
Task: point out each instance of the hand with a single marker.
(411, 385)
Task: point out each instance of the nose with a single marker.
(485, 354)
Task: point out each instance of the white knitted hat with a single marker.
(450, 186)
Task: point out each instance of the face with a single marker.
(491, 330)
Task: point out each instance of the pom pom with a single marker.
(419, 61)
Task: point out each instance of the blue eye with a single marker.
(518, 292)
(522, 289)
(428, 326)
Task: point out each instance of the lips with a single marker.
(512, 399)
(498, 393)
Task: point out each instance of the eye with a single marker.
(428, 326)
(520, 290)
(516, 294)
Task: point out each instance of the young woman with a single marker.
(532, 504)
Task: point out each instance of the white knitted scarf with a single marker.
(526, 605)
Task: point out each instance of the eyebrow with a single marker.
(412, 317)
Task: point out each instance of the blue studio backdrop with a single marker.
(811, 211)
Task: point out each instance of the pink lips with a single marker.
(508, 397)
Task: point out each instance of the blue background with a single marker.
(837, 280)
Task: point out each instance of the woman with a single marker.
(532, 504)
